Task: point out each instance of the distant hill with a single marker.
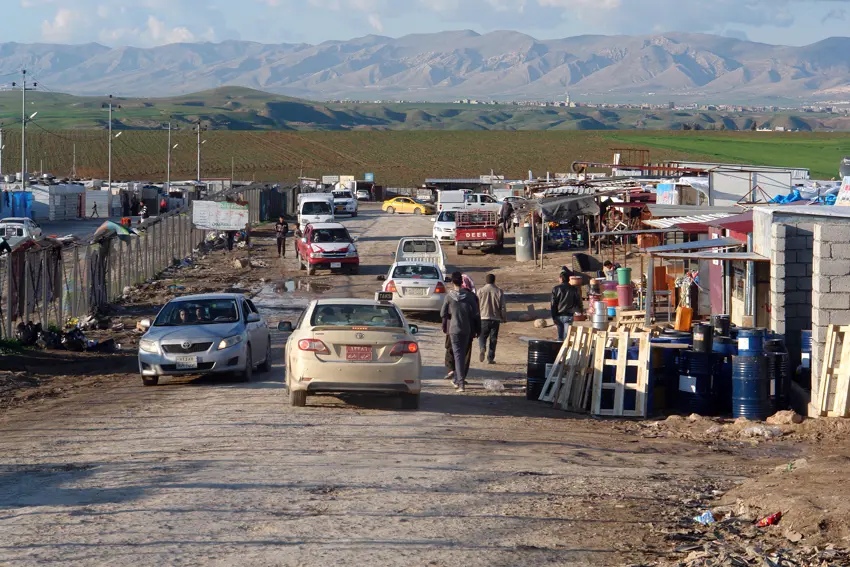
(239, 108)
(450, 65)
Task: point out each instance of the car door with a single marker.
(262, 326)
(251, 330)
(408, 206)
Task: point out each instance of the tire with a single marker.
(354, 214)
(391, 210)
(459, 251)
(297, 399)
(410, 401)
(245, 375)
(266, 366)
(311, 271)
(150, 380)
(417, 211)
(354, 271)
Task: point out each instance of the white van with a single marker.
(450, 200)
(422, 250)
(315, 208)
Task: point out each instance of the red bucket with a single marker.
(625, 295)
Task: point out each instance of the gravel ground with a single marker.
(214, 472)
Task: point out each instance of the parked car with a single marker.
(408, 205)
(344, 203)
(18, 229)
(364, 195)
(416, 286)
(444, 226)
(352, 345)
(326, 246)
(200, 334)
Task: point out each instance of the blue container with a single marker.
(750, 342)
(806, 340)
(696, 385)
(750, 388)
(612, 311)
(725, 346)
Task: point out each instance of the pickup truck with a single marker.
(421, 249)
(460, 201)
(326, 246)
(479, 230)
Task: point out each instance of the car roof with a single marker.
(15, 219)
(209, 296)
(347, 301)
(325, 225)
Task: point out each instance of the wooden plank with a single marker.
(598, 369)
(826, 376)
(842, 388)
(620, 377)
(569, 339)
(554, 376)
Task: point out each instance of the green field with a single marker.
(404, 159)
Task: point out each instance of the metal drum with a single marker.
(703, 337)
(524, 244)
(750, 342)
(696, 393)
(540, 353)
(750, 388)
(778, 374)
(725, 346)
(721, 324)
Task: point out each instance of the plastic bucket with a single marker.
(609, 286)
(624, 276)
(612, 301)
(625, 295)
(612, 312)
(577, 281)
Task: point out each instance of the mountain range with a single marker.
(502, 65)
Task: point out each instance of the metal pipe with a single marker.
(750, 297)
(24, 132)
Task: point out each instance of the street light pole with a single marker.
(1, 152)
(110, 106)
(24, 121)
(200, 128)
(168, 167)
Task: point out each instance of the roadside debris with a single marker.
(771, 520)
(494, 385)
(706, 518)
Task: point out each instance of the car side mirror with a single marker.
(433, 219)
(304, 241)
(392, 254)
(414, 329)
(145, 324)
(355, 239)
(284, 326)
(253, 318)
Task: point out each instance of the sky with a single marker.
(146, 23)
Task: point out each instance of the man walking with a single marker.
(505, 215)
(464, 324)
(94, 213)
(281, 229)
(494, 312)
(566, 302)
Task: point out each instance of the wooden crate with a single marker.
(834, 383)
(621, 397)
(568, 377)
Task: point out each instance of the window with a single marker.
(197, 312)
(417, 272)
(487, 199)
(328, 235)
(252, 306)
(419, 246)
(446, 216)
(342, 195)
(245, 310)
(315, 208)
(341, 315)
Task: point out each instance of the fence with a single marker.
(48, 283)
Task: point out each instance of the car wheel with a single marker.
(417, 211)
(354, 270)
(245, 375)
(266, 366)
(410, 401)
(391, 210)
(150, 380)
(459, 251)
(311, 271)
(297, 399)
(354, 214)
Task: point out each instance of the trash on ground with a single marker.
(706, 518)
(494, 386)
(771, 520)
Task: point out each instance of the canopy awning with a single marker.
(704, 255)
(659, 210)
(742, 223)
(636, 232)
(698, 245)
(701, 219)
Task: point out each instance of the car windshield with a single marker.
(330, 235)
(197, 312)
(342, 195)
(420, 201)
(12, 230)
(355, 316)
(316, 208)
(446, 216)
(419, 246)
(416, 272)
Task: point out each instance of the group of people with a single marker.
(467, 315)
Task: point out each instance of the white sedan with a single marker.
(445, 226)
(352, 345)
(416, 286)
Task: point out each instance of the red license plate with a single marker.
(358, 353)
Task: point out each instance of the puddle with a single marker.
(304, 285)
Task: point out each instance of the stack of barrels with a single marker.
(625, 289)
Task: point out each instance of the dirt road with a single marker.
(211, 472)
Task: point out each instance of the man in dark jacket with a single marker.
(464, 324)
(281, 229)
(566, 302)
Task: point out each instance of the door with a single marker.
(253, 337)
(262, 328)
(405, 206)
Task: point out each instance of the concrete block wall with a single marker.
(831, 279)
(791, 282)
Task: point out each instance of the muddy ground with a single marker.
(96, 469)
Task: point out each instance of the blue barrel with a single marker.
(750, 388)
(750, 342)
(806, 340)
(540, 353)
(725, 346)
(696, 393)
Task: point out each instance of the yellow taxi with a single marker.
(408, 205)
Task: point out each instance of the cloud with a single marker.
(61, 28)
(836, 14)
(375, 22)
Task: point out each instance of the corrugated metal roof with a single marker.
(474, 180)
(675, 221)
(697, 245)
(569, 190)
(744, 256)
(659, 210)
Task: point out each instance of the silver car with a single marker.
(416, 286)
(203, 334)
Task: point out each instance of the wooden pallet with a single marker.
(615, 398)
(834, 384)
(574, 394)
(632, 320)
(556, 373)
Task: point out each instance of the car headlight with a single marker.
(315, 254)
(147, 345)
(352, 252)
(229, 342)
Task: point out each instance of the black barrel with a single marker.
(722, 384)
(750, 388)
(696, 393)
(703, 337)
(774, 345)
(779, 377)
(721, 324)
(540, 353)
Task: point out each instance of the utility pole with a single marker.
(232, 162)
(199, 130)
(74, 164)
(109, 105)
(24, 121)
(168, 166)
(1, 151)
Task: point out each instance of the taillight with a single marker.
(391, 287)
(404, 347)
(440, 288)
(313, 345)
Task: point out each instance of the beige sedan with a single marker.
(352, 345)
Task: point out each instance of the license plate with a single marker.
(336, 265)
(384, 296)
(358, 353)
(187, 362)
(416, 291)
